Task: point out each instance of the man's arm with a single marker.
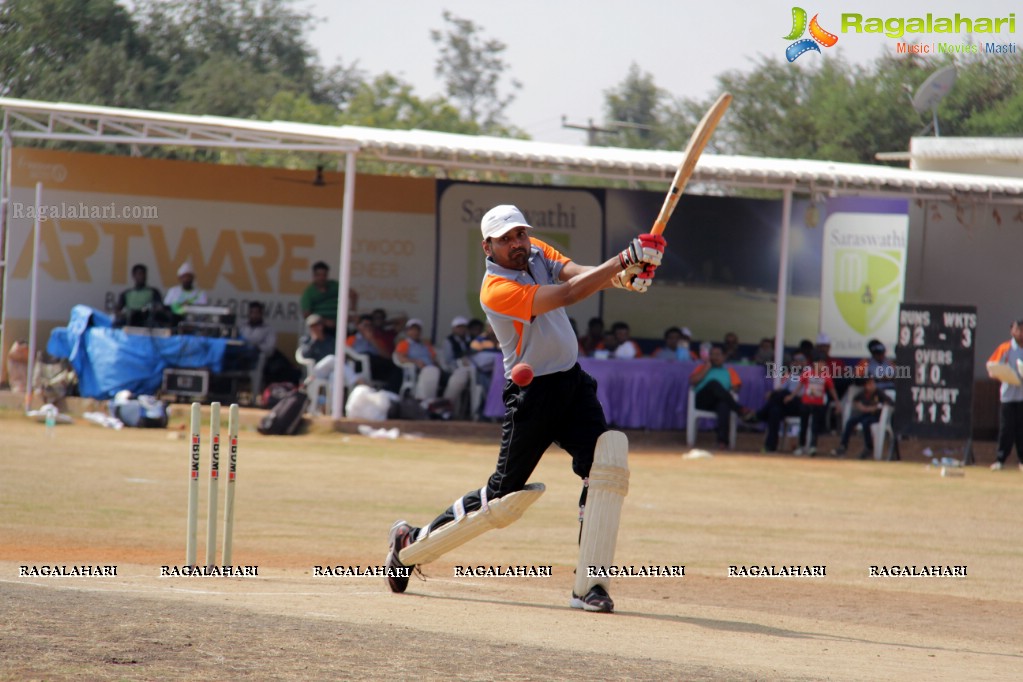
(578, 282)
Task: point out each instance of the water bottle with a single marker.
(51, 419)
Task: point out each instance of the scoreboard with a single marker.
(936, 344)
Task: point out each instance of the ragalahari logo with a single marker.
(817, 35)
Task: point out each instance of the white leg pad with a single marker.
(493, 514)
(608, 486)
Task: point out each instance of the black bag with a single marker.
(286, 416)
(274, 393)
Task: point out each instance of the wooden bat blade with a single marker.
(697, 141)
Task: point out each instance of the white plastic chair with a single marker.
(693, 414)
(882, 430)
(409, 376)
(313, 385)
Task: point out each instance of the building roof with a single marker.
(27, 119)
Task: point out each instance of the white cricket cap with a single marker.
(460, 321)
(500, 219)
(185, 269)
(823, 339)
(414, 322)
(686, 333)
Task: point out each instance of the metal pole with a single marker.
(33, 299)
(347, 226)
(5, 248)
(783, 283)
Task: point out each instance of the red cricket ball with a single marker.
(522, 374)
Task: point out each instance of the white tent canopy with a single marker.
(33, 120)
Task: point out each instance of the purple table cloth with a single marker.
(644, 393)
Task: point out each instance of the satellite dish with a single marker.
(929, 95)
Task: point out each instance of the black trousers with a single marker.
(866, 420)
(716, 398)
(774, 412)
(560, 409)
(1010, 431)
(806, 413)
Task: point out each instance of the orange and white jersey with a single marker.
(1008, 353)
(547, 341)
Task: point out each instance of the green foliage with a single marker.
(827, 108)
(472, 68)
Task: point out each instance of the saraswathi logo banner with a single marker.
(863, 272)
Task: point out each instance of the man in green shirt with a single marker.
(320, 298)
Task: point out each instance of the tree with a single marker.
(88, 51)
(472, 69)
(829, 109)
(635, 108)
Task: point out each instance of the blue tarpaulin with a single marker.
(108, 360)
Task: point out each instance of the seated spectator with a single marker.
(485, 349)
(673, 348)
(625, 348)
(765, 352)
(593, 339)
(315, 345)
(456, 353)
(713, 383)
(838, 376)
(807, 348)
(387, 329)
(607, 347)
(866, 412)
(184, 293)
(270, 361)
(687, 343)
(731, 348)
(877, 367)
(475, 329)
(431, 379)
(814, 386)
(777, 407)
(141, 305)
(367, 340)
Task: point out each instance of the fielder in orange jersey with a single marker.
(524, 293)
(1010, 413)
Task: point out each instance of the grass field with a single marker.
(95, 496)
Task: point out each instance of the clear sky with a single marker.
(568, 53)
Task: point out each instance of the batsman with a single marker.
(525, 290)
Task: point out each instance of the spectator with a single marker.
(625, 348)
(320, 298)
(765, 352)
(777, 407)
(815, 386)
(184, 293)
(456, 360)
(367, 341)
(485, 349)
(686, 342)
(431, 379)
(713, 384)
(456, 347)
(877, 366)
(594, 337)
(1010, 413)
(838, 375)
(475, 328)
(386, 330)
(731, 348)
(272, 365)
(673, 348)
(807, 348)
(141, 305)
(607, 347)
(866, 412)
(315, 345)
